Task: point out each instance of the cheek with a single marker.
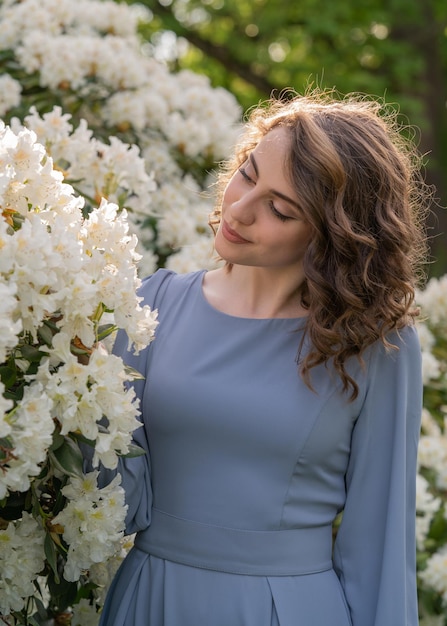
(235, 189)
(304, 233)
(230, 189)
(299, 242)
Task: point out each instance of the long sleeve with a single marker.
(136, 471)
(375, 551)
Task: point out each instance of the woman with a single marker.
(284, 388)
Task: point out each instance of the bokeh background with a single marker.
(396, 49)
(133, 105)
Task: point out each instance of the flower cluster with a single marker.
(114, 170)
(62, 274)
(22, 557)
(86, 58)
(10, 91)
(432, 478)
(91, 521)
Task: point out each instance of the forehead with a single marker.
(277, 139)
(271, 157)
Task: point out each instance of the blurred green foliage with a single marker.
(395, 49)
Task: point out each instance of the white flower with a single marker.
(84, 614)
(199, 255)
(125, 107)
(21, 154)
(159, 159)
(5, 406)
(148, 262)
(429, 425)
(21, 559)
(188, 135)
(426, 337)
(93, 522)
(10, 326)
(431, 367)
(433, 300)
(432, 454)
(435, 574)
(82, 394)
(52, 128)
(426, 505)
(30, 430)
(432, 451)
(10, 90)
(102, 574)
(38, 271)
(139, 322)
(80, 301)
(52, 17)
(215, 109)
(177, 227)
(27, 177)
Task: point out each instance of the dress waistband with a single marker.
(288, 552)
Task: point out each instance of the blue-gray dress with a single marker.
(247, 469)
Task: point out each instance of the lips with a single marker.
(231, 235)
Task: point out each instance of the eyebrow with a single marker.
(278, 194)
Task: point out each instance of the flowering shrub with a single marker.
(67, 282)
(91, 117)
(85, 59)
(432, 477)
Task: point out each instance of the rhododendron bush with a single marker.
(68, 281)
(102, 143)
(105, 159)
(431, 522)
(116, 121)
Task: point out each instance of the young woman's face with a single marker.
(261, 223)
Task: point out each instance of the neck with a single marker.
(256, 292)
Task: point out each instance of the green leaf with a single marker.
(63, 593)
(31, 353)
(58, 440)
(59, 502)
(51, 555)
(82, 439)
(46, 334)
(5, 444)
(41, 613)
(79, 351)
(8, 373)
(67, 458)
(13, 506)
(105, 330)
(133, 452)
(438, 527)
(136, 375)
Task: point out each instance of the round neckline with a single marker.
(237, 317)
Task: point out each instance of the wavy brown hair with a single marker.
(357, 176)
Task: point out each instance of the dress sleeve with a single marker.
(136, 471)
(375, 548)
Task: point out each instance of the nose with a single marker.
(242, 210)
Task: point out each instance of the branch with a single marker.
(210, 49)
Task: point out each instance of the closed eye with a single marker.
(278, 214)
(244, 174)
(273, 209)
